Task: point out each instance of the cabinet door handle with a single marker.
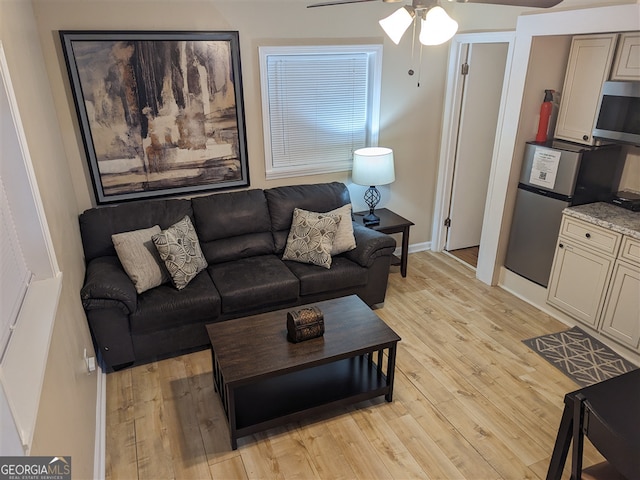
(561, 245)
(585, 137)
(588, 235)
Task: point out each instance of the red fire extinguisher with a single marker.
(545, 113)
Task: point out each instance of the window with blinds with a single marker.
(14, 270)
(319, 105)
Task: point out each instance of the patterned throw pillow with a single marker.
(140, 259)
(180, 251)
(311, 237)
(344, 240)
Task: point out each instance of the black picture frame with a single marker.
(160, 113)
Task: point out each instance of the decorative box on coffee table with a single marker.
(264, 380)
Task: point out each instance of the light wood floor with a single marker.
(471, 401)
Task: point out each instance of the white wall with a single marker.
(410, 123)
(410, 116)
(631, 174)
(66, 419)
(514, 127)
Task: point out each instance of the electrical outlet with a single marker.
(90, 362)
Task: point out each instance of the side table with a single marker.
(391, 222)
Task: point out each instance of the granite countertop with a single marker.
(608, 216)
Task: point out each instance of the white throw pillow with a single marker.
(344, 239)
(140, 259)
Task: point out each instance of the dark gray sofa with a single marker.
(242, 235)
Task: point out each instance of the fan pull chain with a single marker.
(413, 48)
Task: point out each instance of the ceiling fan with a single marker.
(515, 3)
(436, 25)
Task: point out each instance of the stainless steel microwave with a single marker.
(619, 113)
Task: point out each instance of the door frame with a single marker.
(451, 123)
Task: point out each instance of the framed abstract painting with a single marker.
(160, 113)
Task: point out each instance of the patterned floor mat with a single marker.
(578, 355)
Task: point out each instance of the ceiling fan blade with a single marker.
(515, 3)
(337, 2)
(342, 2)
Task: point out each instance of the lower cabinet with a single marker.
(621, 314)
(596, 282)
(578, 281)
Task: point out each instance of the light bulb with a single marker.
(437, 27)
(397, 23)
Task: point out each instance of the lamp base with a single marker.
(371, 198)
(370, 219)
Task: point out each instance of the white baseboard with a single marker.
(419, 247)
(413, 248)
(99, 456)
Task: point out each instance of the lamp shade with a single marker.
(437, 27)
(373, 166)
(397, 23)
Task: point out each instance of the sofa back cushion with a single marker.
(321, 197)
(98, 224)
(233, 225)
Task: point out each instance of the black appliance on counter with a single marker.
(628, 200)
(554, 176)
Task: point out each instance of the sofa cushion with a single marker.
(165, 307)
(98, 224)
(311, 237)
(343, 274)
(140, 259)
(344, 239)
(233, 225)
(321, 197)
(254, 282)
(180, 251)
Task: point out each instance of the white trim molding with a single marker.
(23, 366)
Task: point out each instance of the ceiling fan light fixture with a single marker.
(437, 27)
(397, 23)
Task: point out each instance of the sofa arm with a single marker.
(107, 285)
(370, 245)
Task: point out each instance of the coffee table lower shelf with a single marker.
(280, 399)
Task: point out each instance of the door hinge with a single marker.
(464, 70)
(447, 222)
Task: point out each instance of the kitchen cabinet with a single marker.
(621, 314)
(626, 65)
(595, 279)
(581, 269)
(590, 59)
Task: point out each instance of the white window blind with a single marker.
(319, 105)
(24, 241)
(14, 271)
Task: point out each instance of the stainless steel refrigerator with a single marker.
(554, 176)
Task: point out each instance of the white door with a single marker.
(479, 108)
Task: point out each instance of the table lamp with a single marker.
(372, 166)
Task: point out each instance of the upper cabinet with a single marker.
(626, 65)
(590, 60)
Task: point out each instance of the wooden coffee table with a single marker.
(263, 380)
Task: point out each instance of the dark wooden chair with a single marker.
(608, 414)
(621, 455)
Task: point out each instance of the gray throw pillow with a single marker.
(140, 259)
(180, 251)
(344, 240)
(311, 237)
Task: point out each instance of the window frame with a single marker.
(374, 82)
(22, 368)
